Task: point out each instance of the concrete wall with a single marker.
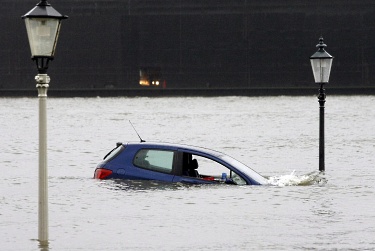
(216, 44)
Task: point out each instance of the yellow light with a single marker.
(144, 82)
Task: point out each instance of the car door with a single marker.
(153, 164)
(186, 169)
(203, 168)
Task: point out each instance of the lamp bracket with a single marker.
(42, 63)
(42, 79)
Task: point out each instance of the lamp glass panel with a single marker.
(321, 69)
(42, 34)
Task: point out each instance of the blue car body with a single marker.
(174, 163)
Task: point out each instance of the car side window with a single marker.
(208, 169)
(155, 160)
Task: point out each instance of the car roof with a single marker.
(176, 146)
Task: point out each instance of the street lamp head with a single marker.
(321, 63)
(43, 26)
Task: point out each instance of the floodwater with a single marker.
(276, 136)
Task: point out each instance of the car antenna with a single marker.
(136, 132)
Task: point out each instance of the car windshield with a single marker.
(245, 169)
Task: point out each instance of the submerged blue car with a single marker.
(174, 163)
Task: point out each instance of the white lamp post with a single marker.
(43, 26)
(321, 63)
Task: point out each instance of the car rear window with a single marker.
(156, 160)
(113, 153)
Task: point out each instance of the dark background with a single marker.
(194, 43)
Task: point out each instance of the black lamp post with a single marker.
(43, 26)
(321, 63)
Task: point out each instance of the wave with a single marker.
(313, 178)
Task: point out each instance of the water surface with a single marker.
(276, 136)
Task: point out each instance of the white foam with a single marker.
(295, 180)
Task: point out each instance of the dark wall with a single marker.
(218, 43)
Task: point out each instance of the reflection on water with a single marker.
(44, 246)
(141, 185)
(301, 209)
(313, 178)
(152, 185)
